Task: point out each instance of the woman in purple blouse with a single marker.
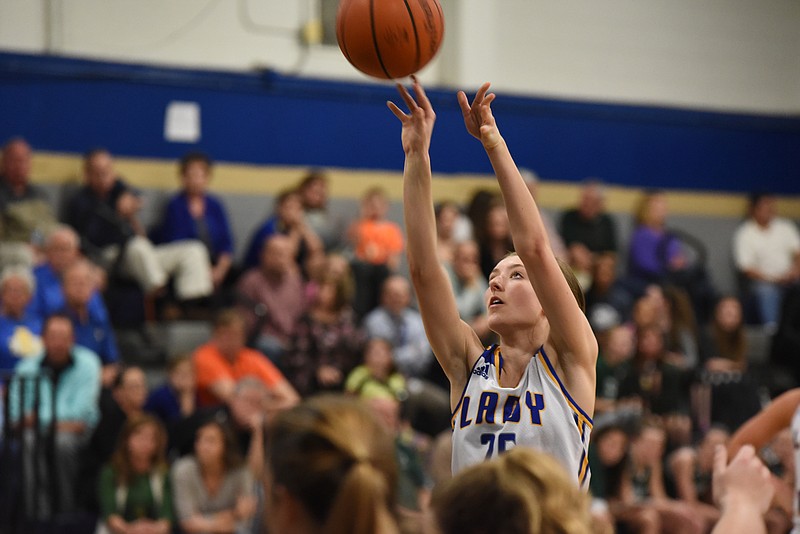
(653, 251)
(194, 213)
(328, 340)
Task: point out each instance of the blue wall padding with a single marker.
(71, 105)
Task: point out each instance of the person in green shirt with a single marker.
(134, 491)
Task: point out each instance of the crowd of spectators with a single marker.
(321, 304)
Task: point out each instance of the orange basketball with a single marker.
(389, 38)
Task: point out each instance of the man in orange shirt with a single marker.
(225, 359)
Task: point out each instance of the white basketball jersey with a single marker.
(796, 444)
(538, 413)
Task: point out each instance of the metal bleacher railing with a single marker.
(29, 493)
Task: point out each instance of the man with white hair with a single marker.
(61, 249)
(20, 330)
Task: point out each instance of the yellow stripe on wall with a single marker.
(234, 178)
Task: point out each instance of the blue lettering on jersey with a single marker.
(511, 411)
(489, 402)
(464, 410)
(535, 404)
(486, 407)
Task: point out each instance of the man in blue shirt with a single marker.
(61, 249)
(90, 321)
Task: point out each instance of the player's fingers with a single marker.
(489, 99)
(407, 98)
(422, 97)
(479, 96)
(463, 103)
(720, 458)
(397, 111)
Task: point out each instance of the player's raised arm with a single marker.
(570, 331)
(765, 425)
(450, 338)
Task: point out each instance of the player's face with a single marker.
(510, 299)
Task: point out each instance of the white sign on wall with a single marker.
(182, 122)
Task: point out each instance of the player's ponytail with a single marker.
(332, 455)
(361, 506)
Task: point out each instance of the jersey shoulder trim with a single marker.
(551, 371)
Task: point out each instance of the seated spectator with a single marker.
(653, 251)
(61, 250)
(128, 395)
(401, 324)
(287, 221)
(723, 345)
(681, 325)
(273, 298)
(732, 391)
(225, 359)
(92, 326)
(377, 376)
(331, 468)
(691, 470)
(786, 341)
(608, 300)
(469, 288)
(660, 384)
(377, 247)
(521, 491)
(313, 191)
(588, 229)
(447, 214)
(197, 215)
(428, 404)
(642, 498)
(614, 364)
(248, 409)
(134, 490)
(69, 376)
(105, 213)
(608, 457)
(176, 398)
(20, 330)
(493, 235)
(25, 211)
(413, 485)
(327, 340)
(766, 250)
(212, 488)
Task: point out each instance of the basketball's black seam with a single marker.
(375, 38)
(343, 40)
(416, 35)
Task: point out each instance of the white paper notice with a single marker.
(182, 122)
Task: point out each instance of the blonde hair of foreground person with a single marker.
(522, 491)
(330, 469)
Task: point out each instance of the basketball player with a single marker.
(781, 413)
(537, 386)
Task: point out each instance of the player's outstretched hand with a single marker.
(418, 122)
(478, 116)
(744, 482)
